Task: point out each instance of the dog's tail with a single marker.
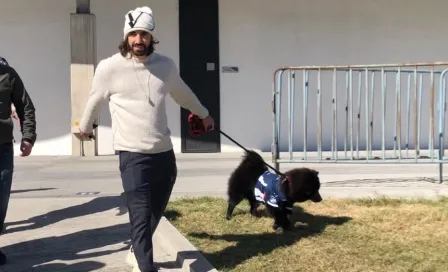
(253, 158)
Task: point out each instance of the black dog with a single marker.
(252, 180)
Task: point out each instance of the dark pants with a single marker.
(148, 180)
(6, 170)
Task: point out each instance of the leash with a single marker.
(197, 128)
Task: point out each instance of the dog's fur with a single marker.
(302, 184)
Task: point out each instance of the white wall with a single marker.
(110, 23)
(36, 42)
(318, 32)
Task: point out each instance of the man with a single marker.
(12, 92)
(136, 81)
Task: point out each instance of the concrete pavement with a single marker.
(71, 234)
(62, 209)
(206, 174)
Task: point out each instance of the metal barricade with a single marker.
(394, 119)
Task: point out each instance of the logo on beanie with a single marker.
(132, 22)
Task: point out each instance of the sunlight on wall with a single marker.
(59, 146)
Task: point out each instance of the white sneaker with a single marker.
(131, 260)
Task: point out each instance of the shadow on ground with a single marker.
(31, 190)
(96, 205)
(171, 215)
(385, 182)
(35, 255)
(250, 245)
(24, 255)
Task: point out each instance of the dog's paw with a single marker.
(255, 213)
(286, 227)
(280, 230)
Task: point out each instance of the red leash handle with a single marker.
(196, 127)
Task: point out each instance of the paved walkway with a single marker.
(69, 234)
(62, 210)
(207, 174)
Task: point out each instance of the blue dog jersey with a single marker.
(267, 190)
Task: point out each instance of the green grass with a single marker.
(334, 235)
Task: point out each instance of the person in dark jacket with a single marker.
(12, 92)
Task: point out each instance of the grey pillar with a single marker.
(83, 62)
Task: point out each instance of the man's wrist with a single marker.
(86, 127)
(25, 140)
(202, 114)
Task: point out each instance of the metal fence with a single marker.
(393, 113)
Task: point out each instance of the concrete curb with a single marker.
(187, 255)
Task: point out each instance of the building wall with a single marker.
(36, 42)
(259, 38)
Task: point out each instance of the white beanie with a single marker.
(139, 19)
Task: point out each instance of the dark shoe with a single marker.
(3, 231)
(121, 210)
(2, 258)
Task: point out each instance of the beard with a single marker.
(139, 49)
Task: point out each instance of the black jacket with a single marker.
(12, 91)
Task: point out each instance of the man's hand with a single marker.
(82, 133)
(25, 148)
(14, 116)
(209, 123)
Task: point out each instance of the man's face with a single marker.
(139, 42)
